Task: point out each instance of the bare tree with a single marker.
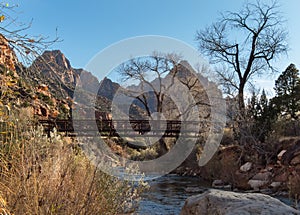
(26, 46)
(149, 74)
(159, 75)
(243, 44)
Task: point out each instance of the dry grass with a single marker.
(41, 175)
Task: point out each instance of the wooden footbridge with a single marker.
(114, 128)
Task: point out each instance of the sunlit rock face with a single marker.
(7, 56)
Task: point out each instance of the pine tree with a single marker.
(260, 116)
(252, 107)
(287, 88)
(264, 102)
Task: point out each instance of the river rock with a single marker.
(262, 176)
(246, 167)
(275, 184)
(257, 184)
(217, 183)
(194, 190)
(260, 180)
(232, 203)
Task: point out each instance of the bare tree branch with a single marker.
(26, 46)
(246, 42)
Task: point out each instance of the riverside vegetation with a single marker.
(51, 175)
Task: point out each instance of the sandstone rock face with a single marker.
(230, 203)
(7, 56)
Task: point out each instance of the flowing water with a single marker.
(167, 195)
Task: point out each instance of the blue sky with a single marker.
(87, 27)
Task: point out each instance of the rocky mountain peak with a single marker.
(55, 70)
(108, 88)
(58, 58)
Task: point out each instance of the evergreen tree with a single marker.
(287, 88)
(252, 107)
(264, 102)
(266, 117)
(260, 116)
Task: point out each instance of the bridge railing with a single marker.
(112, 127)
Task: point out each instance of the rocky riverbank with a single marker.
(232, 168)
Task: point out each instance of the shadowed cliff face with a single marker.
(108, 88)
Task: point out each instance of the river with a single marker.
(167, 195)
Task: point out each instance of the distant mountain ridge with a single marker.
(47, 86)
(53, 80)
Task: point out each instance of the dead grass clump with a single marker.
(44, 175)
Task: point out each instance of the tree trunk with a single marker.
(241, 115)
(241, 102)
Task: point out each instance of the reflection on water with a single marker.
(168, 193)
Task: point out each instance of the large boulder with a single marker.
(224, 203)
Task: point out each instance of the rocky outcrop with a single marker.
(291, 155)
(54, 69)
(7, 56)
(284, 174)
(20, 92)
(225, 203)
(13, 91)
